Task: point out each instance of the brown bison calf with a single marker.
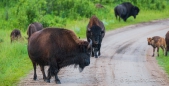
(15, 35)
(157, 42)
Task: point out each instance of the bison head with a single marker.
(149, 41)
(84, 58)
(95, 34)
(135, 11)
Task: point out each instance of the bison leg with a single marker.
(57, 79)
(92, 52)
(35, 75)
(153, 51)
(99, 50)
(53, 70)
(166, 52)
(158, 51)
(43, 72)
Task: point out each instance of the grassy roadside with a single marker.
(163, 61)
(14, 59)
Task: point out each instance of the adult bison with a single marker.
(126, 10)
(57, 48)
(15, 35)
(33, 27)
(95, 31)
(167, 42)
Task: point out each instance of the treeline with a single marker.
(20, 13)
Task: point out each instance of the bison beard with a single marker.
(57, 48)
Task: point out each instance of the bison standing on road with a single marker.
(95, 31)
(33, 27)
(15, 35)
(57, 48)
(126, 10)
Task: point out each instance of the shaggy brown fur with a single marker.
(157, 42)
(167, 42)
(57, 48)
(15, 35)
(33, 27)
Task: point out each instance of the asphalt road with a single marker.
(125, 61)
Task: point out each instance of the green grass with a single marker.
(163, 61)
(14, 60)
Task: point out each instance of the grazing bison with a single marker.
(157, 42)
(126, 10)
(95, 31)
(15, 35)
(33, 27)
(57, 48)
(167, 42)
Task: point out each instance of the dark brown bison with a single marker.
(15, 35)
(95, 31)
(167, 42)
(126, 10)
(157, 42)
(57, 48)
(33, 27)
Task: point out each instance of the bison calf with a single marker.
(57, 48)
(157, 42)
(15, 35)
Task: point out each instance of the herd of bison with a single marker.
(59, 47)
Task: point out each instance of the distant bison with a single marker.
(167, 42)
(33, 27)
(157, 42)
(15, 35)
(126, 10)
(95, 31)
(57, 48)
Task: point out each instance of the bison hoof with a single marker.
(58, 82)
(48, 81)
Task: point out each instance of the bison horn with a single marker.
(90, 44)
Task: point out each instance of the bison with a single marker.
(157, 42)
(15, 35)
(33, 27)
(126, 10)
(167, 42)
(95, 31)
(57, 47)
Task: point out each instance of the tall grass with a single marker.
(14, 60)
